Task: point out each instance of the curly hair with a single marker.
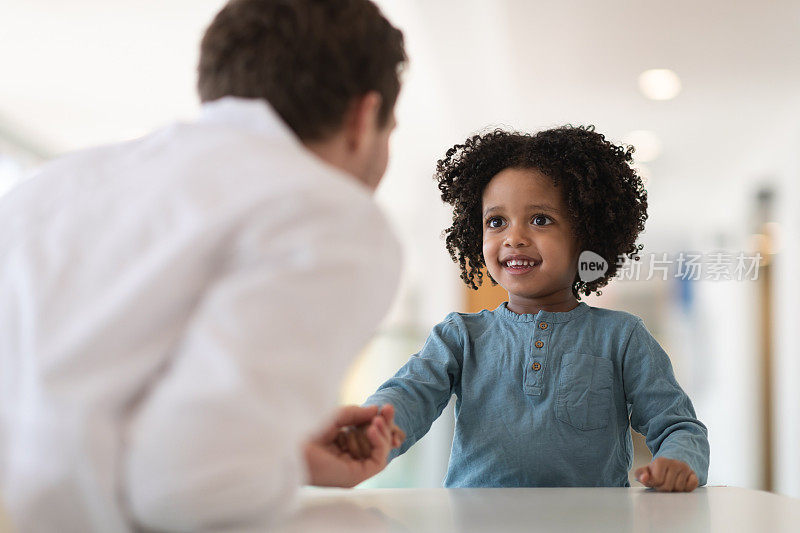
(605, 197)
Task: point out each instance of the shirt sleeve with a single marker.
(218, 439)
(659, 409)
(422, 388)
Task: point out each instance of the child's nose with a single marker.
(516, 239)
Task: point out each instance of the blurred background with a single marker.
(708, 93)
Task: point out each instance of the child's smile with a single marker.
(528, 244)
(517, 264)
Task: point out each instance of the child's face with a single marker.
(525, 219)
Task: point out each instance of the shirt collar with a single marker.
(250, 114)
(258, 116)
(542, 316)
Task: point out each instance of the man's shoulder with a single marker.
(275, 167)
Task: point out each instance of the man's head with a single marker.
(330, 68)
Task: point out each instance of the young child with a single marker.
(547, 387)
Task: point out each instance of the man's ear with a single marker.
(361, 120)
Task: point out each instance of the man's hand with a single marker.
(328, 465)
(667, 475)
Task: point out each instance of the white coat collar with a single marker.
(251, 114)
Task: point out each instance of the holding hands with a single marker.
(355, 440)
(667, 475)
(354, 447)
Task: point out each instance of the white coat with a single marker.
(176, 315)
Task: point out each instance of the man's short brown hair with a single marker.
(308, 58)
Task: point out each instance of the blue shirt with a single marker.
(546, 400)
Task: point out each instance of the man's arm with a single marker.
(220, 437)
(329, 465)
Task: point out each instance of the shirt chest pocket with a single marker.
(584, 391)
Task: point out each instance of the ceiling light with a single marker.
(659, 84)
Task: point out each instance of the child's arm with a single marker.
(662, 412)
(422, 388)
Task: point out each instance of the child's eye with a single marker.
(494, 222)
(541, 220)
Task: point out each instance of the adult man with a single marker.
(177, 311)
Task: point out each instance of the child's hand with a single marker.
(354, 441)
(667, 475)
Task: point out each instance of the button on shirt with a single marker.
(545, 400)
(177, 312)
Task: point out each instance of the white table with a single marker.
(715, 509)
